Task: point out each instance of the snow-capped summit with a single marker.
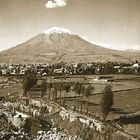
(58, 30)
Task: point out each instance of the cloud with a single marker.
(136, 47)
(56, 3)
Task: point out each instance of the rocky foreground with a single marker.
(14, 126)
(46, 120)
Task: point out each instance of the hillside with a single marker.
(59, 44)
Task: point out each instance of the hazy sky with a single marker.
(112, 23)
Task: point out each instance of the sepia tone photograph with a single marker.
(69, 69)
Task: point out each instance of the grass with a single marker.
(124, 102)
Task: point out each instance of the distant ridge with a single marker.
(59, 44)
(131, 50)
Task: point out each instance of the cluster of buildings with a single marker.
(71, 69)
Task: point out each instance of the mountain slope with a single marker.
(59, 44)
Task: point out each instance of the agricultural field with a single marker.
(126, 91)
(126, 97)
(126, 100)
(10, 86)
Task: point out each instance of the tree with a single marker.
(67, 88)
(88, 91)
(28, 82)
(27, 125)
(78, 89)
(0, 73)
(60, 88)
(43, 88)
(26, 85)
(106, 101)
(82, 92)
(50, 87)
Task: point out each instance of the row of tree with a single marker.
(29, 82)
(79, 88)
(106, 99)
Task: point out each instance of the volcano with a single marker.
(59, 44)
